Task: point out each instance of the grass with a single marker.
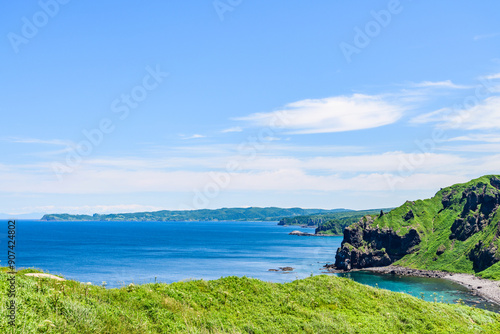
(319, 304)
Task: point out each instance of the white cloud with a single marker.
(368, 163)
(57, 142)
(475, 148)
(67, 145)
(431, 117)
(298, 180)
(489, 138)
(334, 114)
(440, 84)
(492, 76)
(485, 115)
(481, 116)
(110, 176)
(271, 138)
(233, 129)
(195, 136)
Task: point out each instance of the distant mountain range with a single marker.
(237, 214)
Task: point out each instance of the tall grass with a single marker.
(319, 304)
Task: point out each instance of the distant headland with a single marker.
(223, 214)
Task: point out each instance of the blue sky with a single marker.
(131, 106)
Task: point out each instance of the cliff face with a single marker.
(478, 207)
(366, 246)
(456, 230)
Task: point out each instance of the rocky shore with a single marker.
(403, 271)
(488, 289)
(485, 288)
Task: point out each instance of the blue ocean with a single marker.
(121, 253)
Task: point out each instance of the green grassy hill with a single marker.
(319, 304)
(457, 230)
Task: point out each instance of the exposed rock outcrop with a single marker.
(483, 257)
(365, 246)
(495, 182)
(447, 198)
(409, 215)
(478, 207)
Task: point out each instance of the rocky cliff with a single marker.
(367, 246)
(457, 230)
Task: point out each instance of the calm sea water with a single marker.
(120, 253)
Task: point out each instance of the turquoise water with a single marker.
(120, 253)
(429, 289)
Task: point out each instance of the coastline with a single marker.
(486, 288)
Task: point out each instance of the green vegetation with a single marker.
(330, 223)
(458, 227)
(238, 214)
(319, 304)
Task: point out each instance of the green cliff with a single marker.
(457, 230)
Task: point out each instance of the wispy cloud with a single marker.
(474, 148)
(195, 136)
(482, 116)
(233, 129)
(440, 84)
(494, 76)
(486, 36)
(431, 117)
(478, 137)
(67, 145)
(57, 142)
(333, 114)
(270, 138)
